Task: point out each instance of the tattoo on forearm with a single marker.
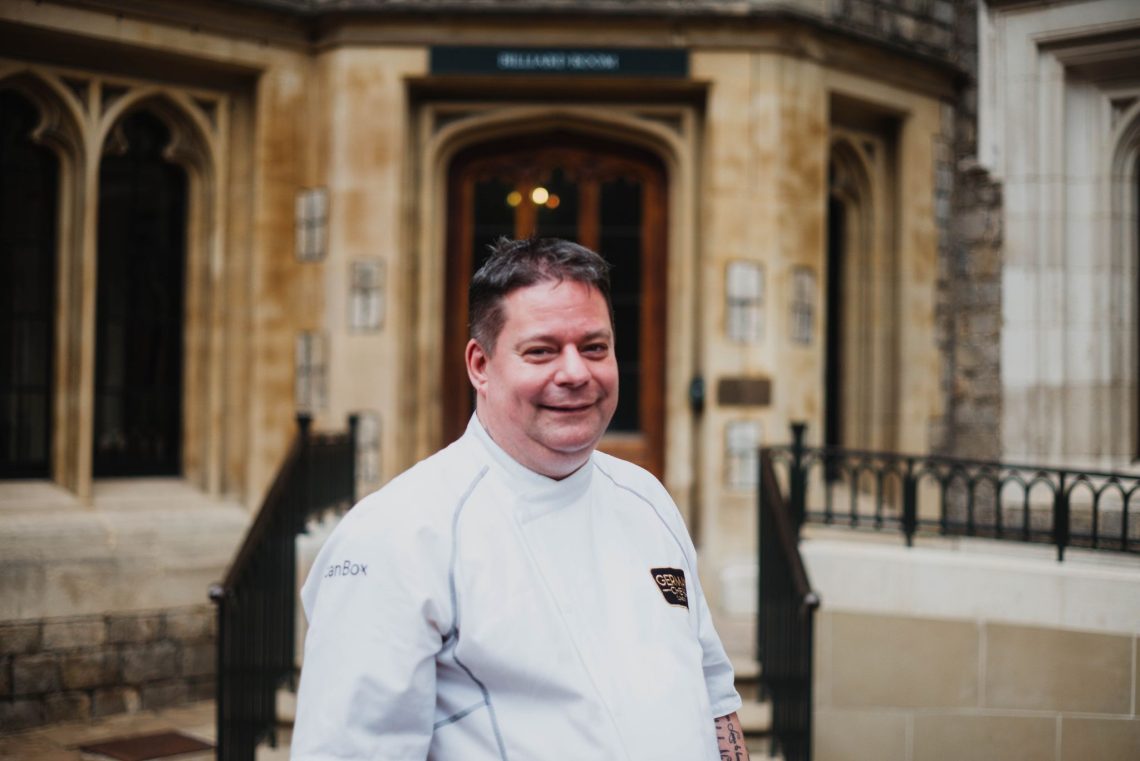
(730, 740)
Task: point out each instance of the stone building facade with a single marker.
(806, 222)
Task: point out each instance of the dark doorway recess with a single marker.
(29, 179)
(139, 312)
(833, 363)
(607, 196)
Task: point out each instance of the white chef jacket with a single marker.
(473, 610)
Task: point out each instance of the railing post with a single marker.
(910, 503)
(353, 426)
(797, 485)
(302, 505)
(221, 688)
(1061, 517)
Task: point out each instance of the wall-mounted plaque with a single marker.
(311, 372)
(803, 306)
(609, 62)
(742, 455)
(744, 392)
(366, 297)
(367, 451)
(744, 301)
(311, 215)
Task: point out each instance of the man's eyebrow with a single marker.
(593, 335)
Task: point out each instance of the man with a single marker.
(518, 595)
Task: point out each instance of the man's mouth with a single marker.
(567, 408)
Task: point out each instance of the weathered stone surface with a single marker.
(190, 625)
(89, 669)
(202, 688)
(164, 694)
(67, 635)
(35, 674)
(198, 659)
(67, 706)
(944, 12)
(115, 700)
(20, 714)
(133, 628)
(970, 273)
(19, 639)
(147, 663)
(5, 677)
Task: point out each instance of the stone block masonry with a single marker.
(67, 669)
(926, 26)
(969, 311)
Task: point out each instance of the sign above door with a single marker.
(613, 62)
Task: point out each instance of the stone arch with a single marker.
(61, 129)
(193, 145)
(61, 114)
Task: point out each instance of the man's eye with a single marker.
(538, 351)
(597, 349)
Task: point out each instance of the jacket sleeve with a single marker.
(719, 677)
(376, 602)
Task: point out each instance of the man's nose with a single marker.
(572, 369)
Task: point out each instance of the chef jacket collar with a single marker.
(526, 482)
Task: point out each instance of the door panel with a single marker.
(610, 198)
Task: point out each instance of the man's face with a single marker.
(549, 390)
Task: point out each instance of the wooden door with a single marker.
(608, 197)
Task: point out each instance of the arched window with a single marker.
(29, 179)
(140, 303)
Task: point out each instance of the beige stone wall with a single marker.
(125, 545)
(747, 164)
(363, 157)
(255, 295)
(763, 198)
(915, 689)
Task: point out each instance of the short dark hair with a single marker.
(515, 264)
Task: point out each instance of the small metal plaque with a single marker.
(744, 392)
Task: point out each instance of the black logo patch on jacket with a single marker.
(671, 582)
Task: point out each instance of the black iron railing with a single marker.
(257, 601)
(947, 496)
(914, 495)
(785, 628)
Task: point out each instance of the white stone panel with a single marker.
(1018, 355)
(979, 579)
(1051, 298)
(1051, 359)
(1019, 296)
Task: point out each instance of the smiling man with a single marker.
(526, 597)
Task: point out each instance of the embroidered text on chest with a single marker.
(671, 582)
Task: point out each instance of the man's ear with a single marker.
(476, 360)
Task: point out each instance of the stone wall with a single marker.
(65, 669)
(926, 26)
(970, 270)
(918, 689)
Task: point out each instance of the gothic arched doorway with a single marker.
(606, 196)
